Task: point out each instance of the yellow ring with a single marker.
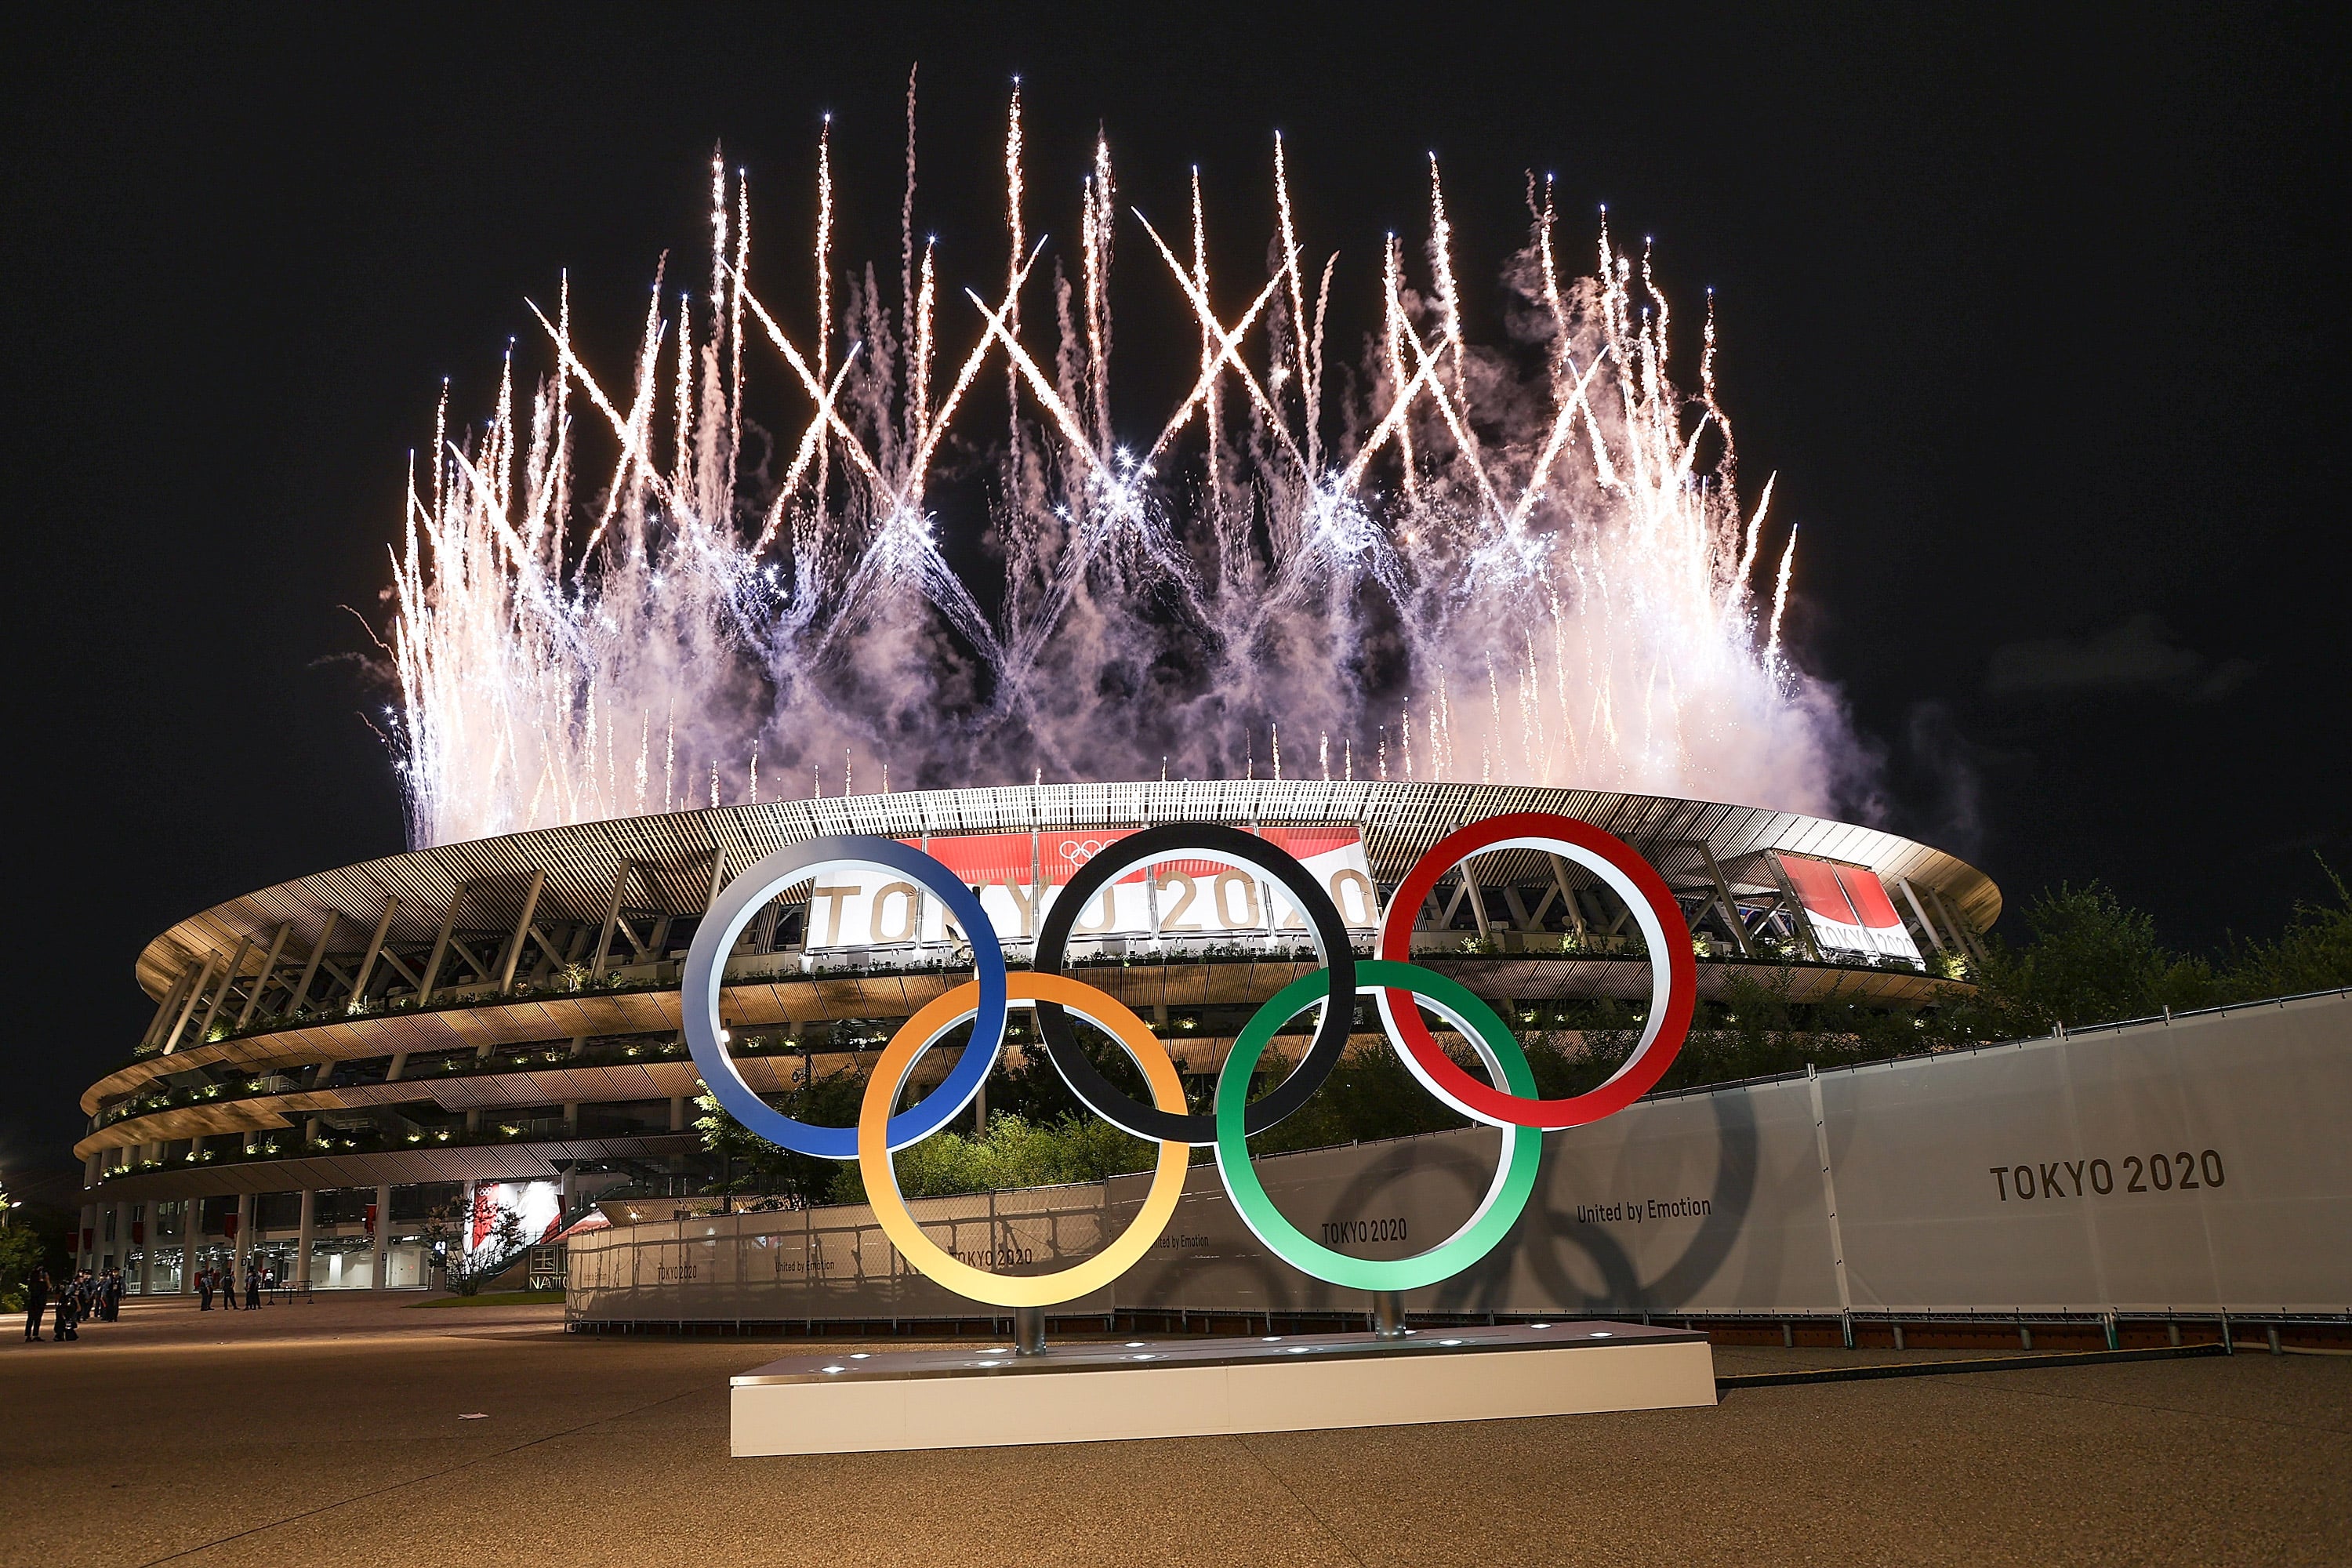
(906, 1046)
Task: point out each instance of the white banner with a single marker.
(1018, 875)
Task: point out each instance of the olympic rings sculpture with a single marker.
(1399, 987)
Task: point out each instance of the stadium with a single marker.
(339, 1063)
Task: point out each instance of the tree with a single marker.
(2093, 961)
(1029, 1085)
(466, 1272)
(1013, 1152)
(21, 1251)
(1369, 1094)
(507, 1235)
(754, 1164)
(2314, 953)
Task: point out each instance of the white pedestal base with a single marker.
(1099, 1391)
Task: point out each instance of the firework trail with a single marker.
(593, 556)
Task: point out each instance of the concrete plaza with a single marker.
(338, 1433)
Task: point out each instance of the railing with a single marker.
(909, 959)
(2221, 1009)
(285, 1146)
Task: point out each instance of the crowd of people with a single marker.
(77, 1299)
(86, 1297)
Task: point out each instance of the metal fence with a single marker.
(2190, 1166)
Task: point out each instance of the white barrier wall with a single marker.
(2195, 1166)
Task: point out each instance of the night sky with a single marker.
(2039, 322)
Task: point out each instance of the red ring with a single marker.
(1638, 1076)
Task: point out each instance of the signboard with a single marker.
(1849, 908)
(1019, 874)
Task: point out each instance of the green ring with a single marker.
(1514, 1180)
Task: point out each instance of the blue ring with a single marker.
(733, 909)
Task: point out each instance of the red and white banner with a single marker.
(1849, 908)
(539, 1203)
(1018, 875)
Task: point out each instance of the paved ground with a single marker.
(334, 1432)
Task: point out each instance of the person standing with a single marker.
(66, 1330)
(205, 1289)
(227, 1278)
(36, 1301)
(252, 1285)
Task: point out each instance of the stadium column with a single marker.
(1725, 902)
(383, 1236)
(1960, 933)
(229, 979)
(441, 943)
(1477, 901)
(192, 1222)
(1911, 896)
(1567, 894)
(303, 1228)
(1801, 920)
(612, 917)
(366, 971)
(310, 966)
(241, 1248)
(164, 1008)
(86, 1240)
(188, 1007)
(269, 968)
(522, 932)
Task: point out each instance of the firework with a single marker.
(1173, 586)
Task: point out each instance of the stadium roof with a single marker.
(576, 864)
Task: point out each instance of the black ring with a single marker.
(1172, 842)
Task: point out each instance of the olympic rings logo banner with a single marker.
(1400, 989)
